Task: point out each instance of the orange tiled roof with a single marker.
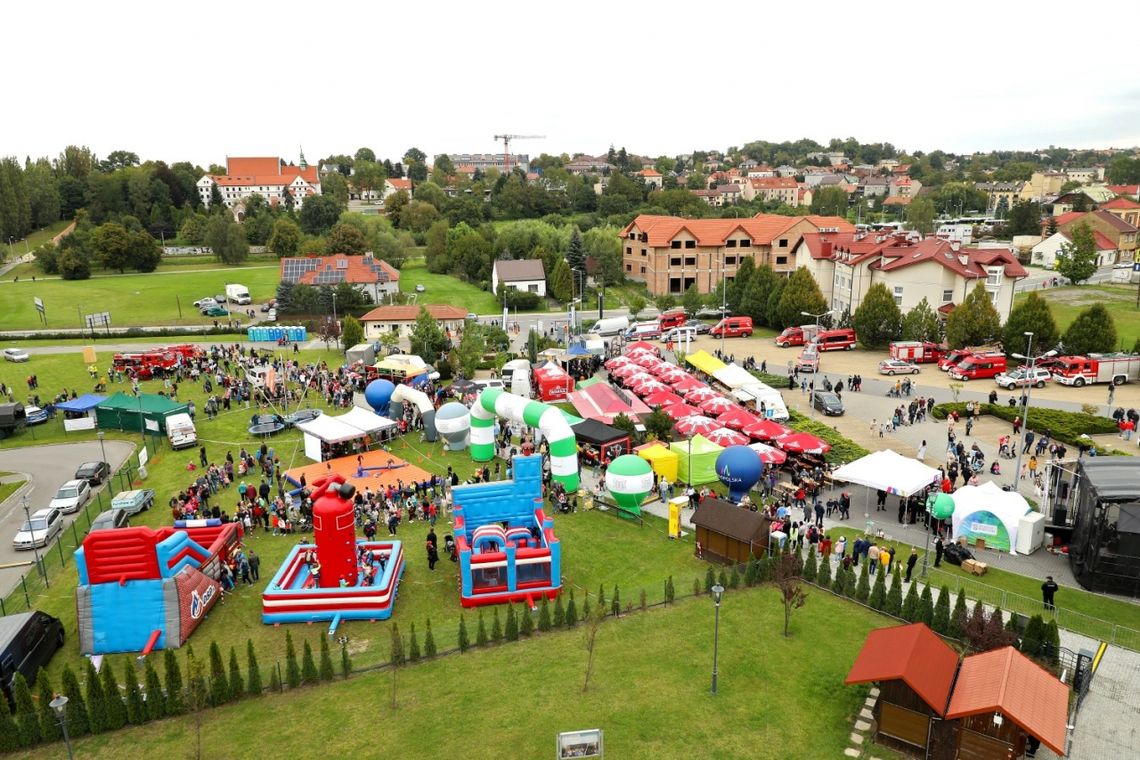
(708, 232)
(649, 173)
(269, 171)
(401, 183)
(1120, 203)
(441, 312)
(912, 654)
(252, 165)
(1006, 681)
(837, 222)
(773, 183)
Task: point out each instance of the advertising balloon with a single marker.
(453, 421)
(629, 478)
(739, 468)
(378, 394)
(940, 505)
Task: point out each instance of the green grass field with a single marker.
(7, 489)
(443, 288)
(1067, 303)
(34, 240)
(777, 698)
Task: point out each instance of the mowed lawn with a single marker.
(1120, 300)
(778, 697)
(445, 289)
(132, 299)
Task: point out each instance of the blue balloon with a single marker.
(378, 394)
(739, 468)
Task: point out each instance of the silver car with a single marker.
(45, 525)
(71, 496)
(897, 367)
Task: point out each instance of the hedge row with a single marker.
(843, 449)
(1066, 427)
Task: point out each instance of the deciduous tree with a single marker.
(921, 323)
(1033, 314)
(975, 321)
(801, 294)
(1092, 330)
(920, 215)
(285, 239)
(1077, 260)
(878, 320)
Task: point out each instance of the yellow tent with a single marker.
(705, 362)
(661, 459)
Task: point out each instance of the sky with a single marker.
(200, 81)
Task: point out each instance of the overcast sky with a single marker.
(199, 81)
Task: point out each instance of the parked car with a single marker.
(702, 328)
(270, 304)
(45, 525)
(216, 311)
(208, 302)
(28, 640)
(827, 402)
(35, 415)
(1022, 377)
(472, 315)
(420, 288)
(271, 315)
(71, 496)
(93, 472)
(733, 327)
(110, 519)
(897, 367)
(956, 554)
(680, 334)
(15, 355)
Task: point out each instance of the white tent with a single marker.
(364, 420)
(733, 376)
(988, 512)
(887, 471)
(758, 393)
(326, 429)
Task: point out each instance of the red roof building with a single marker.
(367, 274)
(401, 318)
(913, 654)
(268, 176)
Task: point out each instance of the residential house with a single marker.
(1087, 198)
(1044, 254)
(1121, 233)
(769, 189)
(268, 176)
(786, 171)
(1043, 184)
(521, 274)
(711, 197)
(1002, 195)
(670, 253)
(1129, 191)
(393, 185)
(729, 194)
(903, 187)
(1086, 176)
(401, 319)
(816, 178)
(874, 186)
(1125, 208)
(847, 264)
(485, 161)
(651, 177)
(373, 277)
(590, 165)
(761, 171)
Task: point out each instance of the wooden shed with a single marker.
(915, 672)
(729, 534)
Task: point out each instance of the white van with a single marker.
(516, 376)
(611, 326)
(180, 430)
(238, 294)
(758, 394)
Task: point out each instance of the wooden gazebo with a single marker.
(729, 534)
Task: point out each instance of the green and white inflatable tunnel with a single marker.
(495, 402)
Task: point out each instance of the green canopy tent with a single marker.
(696, 460)
(125, 412)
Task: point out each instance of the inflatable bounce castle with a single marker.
(142, 589)
(337, 577)
(507, 548)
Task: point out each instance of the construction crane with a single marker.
(507, 147)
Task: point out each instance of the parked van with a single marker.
(842, 339)
(733, 327)
(611, 326)
(27, 642)
(643, 331)
(978, 366)
(180, 430)
(796, 336)
(238, 294)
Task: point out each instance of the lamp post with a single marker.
(31, 531)
(723, 299)
(59, 705)
(717, 592)
(102, 447)
(1028, 355)
(816, 317)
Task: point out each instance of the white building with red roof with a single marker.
(268, 176)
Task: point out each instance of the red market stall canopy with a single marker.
(696, 424)
(617, 361)
(644, 387)
(769, 454)
(803, 443)
(553, 382)
(737, 418)
(715, 406)
(700, 394)
(604, 402)
(677, 411)
(633, 349)
(765, 430)
(722, 436)
(662, 398)
(688, 383)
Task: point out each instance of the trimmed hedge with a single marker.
(1066, 427)
(843, 449)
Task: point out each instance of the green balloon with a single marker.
(941, 505)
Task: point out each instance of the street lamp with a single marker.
(59, 705)
(102, 447)
(817, 317)
(1025, 405)
(717, 592)
(31, 531)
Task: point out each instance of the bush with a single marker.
(526, 621)
(863, 590)
(1066, 427)
(894, 603)
(843, 449)
(253, 677)
(292, 669)
(926, 607)
(413, 650)
(512, 630)
(823, 577)
(571, 611)
(429, 642)
(464, 641)
(879, 592)
(481, 637)
(309, 672)
(326, 667)
(811, 565)
(941, 619)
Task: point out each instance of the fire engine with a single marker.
(917, 351)
(146, 365)
(1096, 368)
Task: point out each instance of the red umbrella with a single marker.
(645, 387)
(765, 430)
(646, 359)
(718, 405)
(618, 361)
(687, 383)
(677, 411)
(724, 437)
(671, 374)
(695, 424)
(803, 443)
(662, 398)
(626, 370)
(736, 418)
(637, 377)
(634, 348)
(769, 454)
(700, 394)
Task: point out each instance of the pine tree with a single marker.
(879, 592)
(9, 731)
(811, 566)
(309, 672)
(559, 613)
(644, 600)
(113, 697)
(544, 615)
(429, 642)
(325, 669)
(850, 583)
(863, 590)
(910, 604)
(734, 577)
(234, 677)
(175, 701)
(481, 632)
(958, 618)
(512, 630)
(750, 569)
(49, 721)
(722, 579)
(1053, 642)
(839, 582)
(396, 654)
(275, 679)
(710, 580)
(602, 598)
(571, 611)
(464, 641)
(78, 721)
(697, 587)
(926, 607)
(292, 669)
(670, 590)
(155, 699)
(823, 577)
(1032, 638)
(894, 595)
(941, 619)
(615, 603)
(526, 621)
(975, 321)
(219, 686)
(496, 627)
(253, 672)
(96, 700)
(27, 721)
(345, 660)
(877, 320)
(136, 707)
(413, 645)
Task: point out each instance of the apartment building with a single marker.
(268, 176)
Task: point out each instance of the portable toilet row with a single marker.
(263, 334)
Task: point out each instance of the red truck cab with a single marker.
(733, 327)
(952, 358)
(670, 319)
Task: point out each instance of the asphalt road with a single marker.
(46, 468)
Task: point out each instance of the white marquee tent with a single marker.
(733, 376)
(326, 429)
(364, 420)
(990, 513)
(887, 471)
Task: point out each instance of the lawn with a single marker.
(777, 698)
(34, 240)
(7, 489)
(129, 300)
(443, 288)
(1068, 302)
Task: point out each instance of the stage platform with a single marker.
(381, 469)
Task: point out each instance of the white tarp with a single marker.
(364, 420)
(757, 393)
(330, 430)
(887, 471)
(733, 376)
(988, 512)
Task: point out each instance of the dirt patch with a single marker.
(1087, 296)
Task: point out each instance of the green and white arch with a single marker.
(495, 402)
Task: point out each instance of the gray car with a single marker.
(110, 519)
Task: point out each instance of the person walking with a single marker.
(911, 561)
(922, 451)
(254, 565)
(202, 457)
(1048, 589)
(939, 548)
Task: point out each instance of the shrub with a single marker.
(940, 621)
(116, 708)
(512, 629)
(843, 449)
(155, 699)
(879, 592)
(710, 580)
(96, 699)
(1066, 427)
(823, 577)
(292, 669)
(893, 606)
(958, 618)
(413, 648)
(571, 611)
(560, 612)
(544, 615)
(481, 637)
(345, 660)
(326, 667)
(253, 672)
(464, 641)
(9, 732)
(496, 627)
(839, 581)
(49, 723)
(926, 607)
(27, 722)
(275, 679)
(811, 565)
(309, 672)
(526, 621)
(615, 603)
(1033, 637)
(219, 686)
(78, 721)
(910, 604)
(863, 590)
(429, 641)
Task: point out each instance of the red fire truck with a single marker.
(186, 351)
(671, 318)
(917, 351)
(146, 365)
(1096, 368)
